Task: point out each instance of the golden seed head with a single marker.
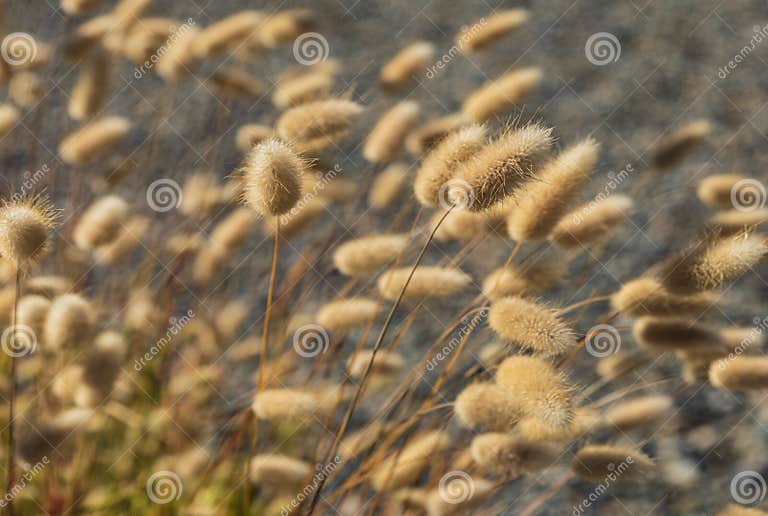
(740, 373)
(646, 296)
(715, 190)
(101, 222)
(488, 406)
(410, 61)
(675, 146)
(386, 139)
(425, 282)
(541, 389)
(531, 325)
(440, 165)
(500, 96)
(484, 32)
(404, 466)
(543, 201)
(500, 168)
(316, 125)
(643, 411)
(510, 455)
(591, 223)
(595, 462)
(278, 470)
(669, 333)
(271, 176)
(24, 228)
(367, 254)
(344, 314)
(532, 277)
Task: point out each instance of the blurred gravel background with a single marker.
(666, 73)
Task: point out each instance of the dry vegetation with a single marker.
(181, 348)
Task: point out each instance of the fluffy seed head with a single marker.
(733, 221)
(531, 325)
(250, 135)
(524, 280)
(306, 87)
(543, 201)
(542, 390)
(440, 165)
(271, 177)
(316, 125)
(343, 314)
(232, 231)
(278, 470)
(425, 137)
(93, 140)
(236, 83)
(70, 322)
(387, 185)
(595, 462)
(9, 117)
(24, 228)
(92, 86)
(426, 282)
(101, 222)
(386, 139)
(410, 61)
(674, 147)
(664, 333)
(712, 264)
(740, 373)
(32, 311)
(459, 225)
(291, 404)
(533, 428)
(226, 34)
(79, 6)
(511, 455)
(179, 57)
(283, 27)
(715, 190)
(499, 169)
(386, 363)
(646, 296)
(488, 406)
(403, 467)
(486, 31)
(591, 223)
(367, 254)
(641, 412)
(501, 95)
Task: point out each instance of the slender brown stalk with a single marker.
(12, 397)
(369, 366)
